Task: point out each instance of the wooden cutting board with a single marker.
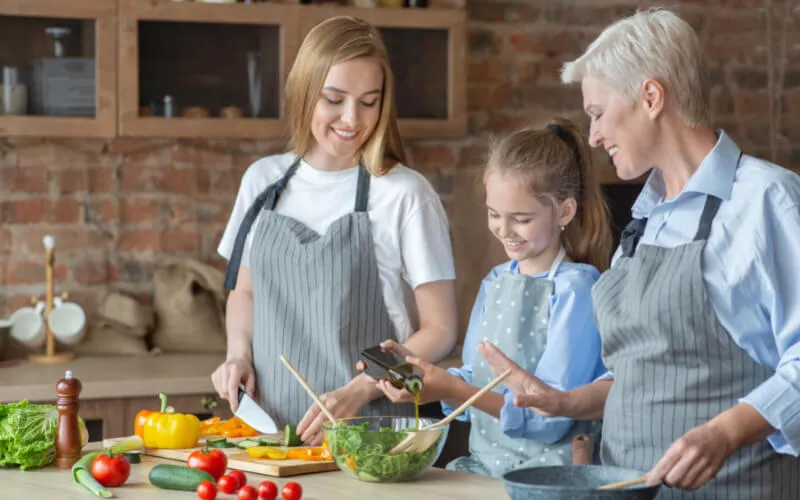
(241, 460)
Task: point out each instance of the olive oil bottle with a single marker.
(396, 370)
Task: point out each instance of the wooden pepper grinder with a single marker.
(68, 434)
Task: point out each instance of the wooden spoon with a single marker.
(309, 390)
(422, 439)
(624, 484)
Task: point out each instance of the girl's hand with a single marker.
(528, 389)
(437, 384)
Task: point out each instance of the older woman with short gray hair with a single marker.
(700, 327)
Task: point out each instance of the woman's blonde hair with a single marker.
(653, 43)
(555, 164)
(331, 42)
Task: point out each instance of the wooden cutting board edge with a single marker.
(239, 459)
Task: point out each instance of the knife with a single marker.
(253, 415)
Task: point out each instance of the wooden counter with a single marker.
(112, 376)
(435, 484)
(115, 388)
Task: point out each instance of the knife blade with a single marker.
(253, 415)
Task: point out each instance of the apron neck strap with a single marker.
(362, 189)
(556, 263)
(277, 188)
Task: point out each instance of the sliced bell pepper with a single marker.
(267, 452)
(308, 453)
(170, 430)
(210, 426)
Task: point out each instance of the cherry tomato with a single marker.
(240, 477)
(111, 471)
(214, 462)
(267, 490)
(206, 490)
(247, 492)
(228, 484)
(291, 491)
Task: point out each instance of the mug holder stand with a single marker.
(50, 355)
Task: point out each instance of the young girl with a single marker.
(546, 208)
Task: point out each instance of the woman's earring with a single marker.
(563, 228)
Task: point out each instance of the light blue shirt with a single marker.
(571, 357)
(751, 266)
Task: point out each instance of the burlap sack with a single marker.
(189, 304)
(126, 313)
(104, 338)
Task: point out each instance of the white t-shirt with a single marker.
(409, 225)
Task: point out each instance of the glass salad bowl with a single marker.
(364, 447)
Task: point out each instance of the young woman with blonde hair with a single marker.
(335, 245)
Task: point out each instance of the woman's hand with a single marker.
(698, 455)
(344, 402)
(528, 389)
(692, 460)
(227, 377)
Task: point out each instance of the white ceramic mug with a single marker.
(67, 322)
(27, 326)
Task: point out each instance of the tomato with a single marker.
(240, 477)
(228, 484)
(247, 492)
(214, 462)
(292, 491)
(267, 490)
(111, 471)
(206, 490)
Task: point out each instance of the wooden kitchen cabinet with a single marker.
(427, 48)
(72, 97)
(205, 59)
(221, 68)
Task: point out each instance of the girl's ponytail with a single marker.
(588, 239)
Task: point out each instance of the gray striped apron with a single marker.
(317, 299)
(516, 320)
(675, 367)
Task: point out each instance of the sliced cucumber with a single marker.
(269, 442)
(290, 437)
(219, 442)
(178, 477)
(247, 443)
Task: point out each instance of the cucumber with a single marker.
(247, 443)
(220, 442)
(290, 437)
(269, 442)
(178, 477)
(133, 457)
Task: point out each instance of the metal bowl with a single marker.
(574, 482)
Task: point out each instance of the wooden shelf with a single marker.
(194, 65)
(435, 84)
(96, 38)
(137, 64)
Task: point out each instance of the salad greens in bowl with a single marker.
(361, 447)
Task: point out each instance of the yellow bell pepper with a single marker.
(170, 430)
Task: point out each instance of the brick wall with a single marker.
(116, 207)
